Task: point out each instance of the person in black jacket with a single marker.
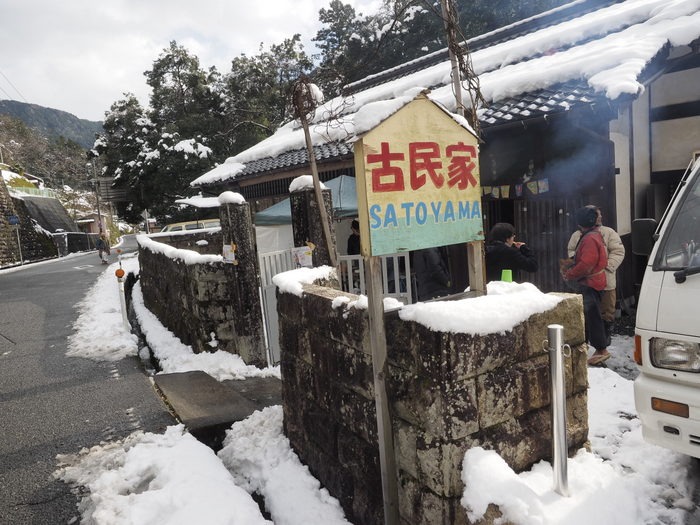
(504, 253)
(432, 275)
(354, 239)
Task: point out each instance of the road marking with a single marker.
(83, 266)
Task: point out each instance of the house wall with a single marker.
(620, 137)
(664, 123)
(675, 139)
(447, 393)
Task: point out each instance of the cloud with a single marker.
(80, 56)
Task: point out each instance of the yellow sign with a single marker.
(418, 181)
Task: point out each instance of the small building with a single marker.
(593, 102)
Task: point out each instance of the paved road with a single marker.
(51, 404)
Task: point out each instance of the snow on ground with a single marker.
(100, 313)
(621, 481)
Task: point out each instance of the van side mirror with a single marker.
(643, 236)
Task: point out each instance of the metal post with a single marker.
(19, 245)
(557, 350)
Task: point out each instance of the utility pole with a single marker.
(475, 249)
(96, 184)
(305, 105)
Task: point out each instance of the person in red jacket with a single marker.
(588, 271)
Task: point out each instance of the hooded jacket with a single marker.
(615, 250)
(590, 261)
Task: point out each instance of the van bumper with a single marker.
(674, 432)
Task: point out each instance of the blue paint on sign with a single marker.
(13, 220)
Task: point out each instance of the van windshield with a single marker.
(681, 243)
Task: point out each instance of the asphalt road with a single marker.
(51, 404)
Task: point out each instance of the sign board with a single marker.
(13, 220)
(418, 181)
(302, 257)
(229, 253)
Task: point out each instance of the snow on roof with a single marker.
(608, 48)
(228, 170)
(199, 202)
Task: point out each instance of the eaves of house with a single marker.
(585, 56)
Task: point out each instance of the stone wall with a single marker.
(448, 393)
(36, 243)
(9, 253)
(195, 301)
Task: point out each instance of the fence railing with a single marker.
(34, 191)
(396, 271)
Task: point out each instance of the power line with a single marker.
(9, 97)
(13, 86)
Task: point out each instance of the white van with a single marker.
(667, 340)
(192, 225)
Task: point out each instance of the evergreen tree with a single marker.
(121, 150)
(256, 92)
(353, 46)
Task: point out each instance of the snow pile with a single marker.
(151, 478)
(623, 481)
(186, 256)
(100, 334)
(304, 182)
(293, 280)
(505, 306)
(99, 330)
(174, 356)
(230, 197)
(261, 460)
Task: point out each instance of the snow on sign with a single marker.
(418, 181)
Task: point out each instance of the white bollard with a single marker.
(122, 298)
(557, 351)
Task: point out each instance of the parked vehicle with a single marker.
(191, 225)
(667, 340)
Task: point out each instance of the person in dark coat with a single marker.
(354, 239)
(432, 275)
(504, 253)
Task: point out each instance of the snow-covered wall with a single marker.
(206, 302)
(448, 392)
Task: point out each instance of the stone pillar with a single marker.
(244, 283)
(306, 222)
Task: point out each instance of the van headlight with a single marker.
(675, 355)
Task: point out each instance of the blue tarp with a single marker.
(343, 194)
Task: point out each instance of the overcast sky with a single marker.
(80, 56)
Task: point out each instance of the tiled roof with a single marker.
(516, 64)
(299, 157)
(540, 103)
(527, 106)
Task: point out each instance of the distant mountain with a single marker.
(53, 123)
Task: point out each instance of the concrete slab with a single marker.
(207, 407)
